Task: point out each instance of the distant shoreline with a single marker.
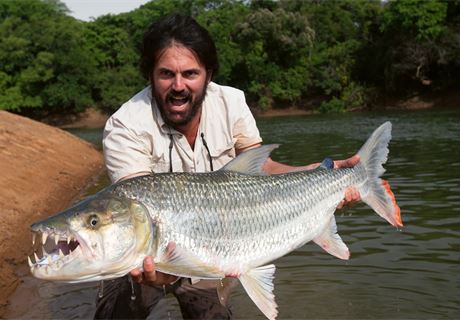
(92, 118)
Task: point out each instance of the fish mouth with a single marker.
(57, 249)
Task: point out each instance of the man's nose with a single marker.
(178, 83)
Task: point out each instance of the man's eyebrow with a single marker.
(192, 70)
(186, 70)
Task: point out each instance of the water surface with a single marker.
(412, 273)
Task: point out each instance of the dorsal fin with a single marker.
(251, 161)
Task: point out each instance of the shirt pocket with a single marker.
(159, 166)
(223, 155)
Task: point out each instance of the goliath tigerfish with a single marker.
(228, 223)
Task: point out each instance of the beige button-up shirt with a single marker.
(136, 139)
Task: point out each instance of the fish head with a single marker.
(102, 237)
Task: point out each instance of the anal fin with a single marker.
(258, 284)
(331, 242)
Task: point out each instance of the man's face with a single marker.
(179, 84)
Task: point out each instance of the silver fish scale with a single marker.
(223, 217)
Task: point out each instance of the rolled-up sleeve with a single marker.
(125, 151)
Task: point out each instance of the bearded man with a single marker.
(181, 122)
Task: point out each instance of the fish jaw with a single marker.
(103, 237)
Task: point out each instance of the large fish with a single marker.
(228, 223)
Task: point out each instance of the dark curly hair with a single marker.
(181, 29)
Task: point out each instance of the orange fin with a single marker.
(397, 211)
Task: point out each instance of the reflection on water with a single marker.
(400, 274)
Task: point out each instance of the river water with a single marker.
(412, 273)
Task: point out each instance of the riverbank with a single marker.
(93, 118)
(43, 170)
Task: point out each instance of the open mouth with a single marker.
(178, 99)
(56, 249)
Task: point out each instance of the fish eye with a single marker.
(93, 221)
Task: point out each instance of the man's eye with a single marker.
(190, 74)
(166, 73)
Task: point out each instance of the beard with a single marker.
(177, 119)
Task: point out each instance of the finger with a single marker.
(149, 270)
(353, 161)
(347, 163)
(136, 275)
(341, 204)
(356, 196)
(352, 197)
(149, 266)
(349, 194)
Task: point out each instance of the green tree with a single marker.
(342, 30)
(417, 42)
(116, 58)
(45, 63)
(221, 19)
(275, 48)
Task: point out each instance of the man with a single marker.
(181, 122)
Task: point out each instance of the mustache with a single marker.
(173, 94)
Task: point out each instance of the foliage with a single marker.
(420, 41)
(222, 22)
(45, 61)
(278, 52)
(421, 19)
(275, 47)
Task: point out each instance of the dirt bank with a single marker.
(42, 170)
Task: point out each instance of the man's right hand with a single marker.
(151, 277)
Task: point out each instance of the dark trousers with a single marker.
(197, 301)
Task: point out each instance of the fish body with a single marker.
(230, 223)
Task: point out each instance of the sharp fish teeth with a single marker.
(61, 254)
(34, 235)
(30, 262)
(36, 257)
(44, 237)
(68, 240)
(56, 239)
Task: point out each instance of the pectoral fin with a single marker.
(258, 283)
(331, 242)
(180, 262)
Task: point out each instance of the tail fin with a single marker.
(377, 192)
